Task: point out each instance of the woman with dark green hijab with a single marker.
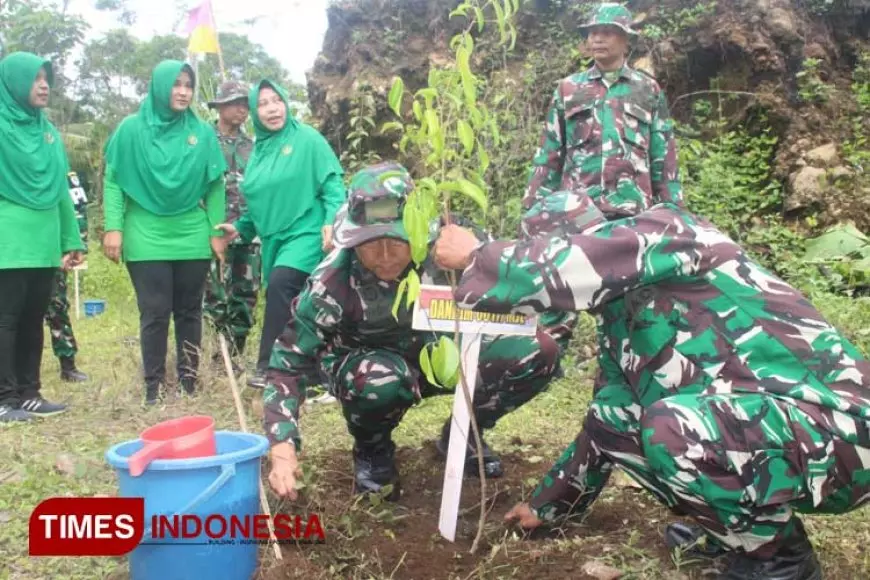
(164, 196)
(293, 186)
(38, 230)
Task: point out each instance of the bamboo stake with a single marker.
(244, 424)
(217, 36)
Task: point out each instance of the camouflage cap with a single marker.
(611, 14)
(228, 92)
(375, 204)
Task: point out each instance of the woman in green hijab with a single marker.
(293, 185)
(38, 230)
(164, 194)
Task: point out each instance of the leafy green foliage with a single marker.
(845, 251)
(811, 87)
(671, 22)
(441, 367)
(857, 149)
(361, 122)
(727, 177)
(450, 131)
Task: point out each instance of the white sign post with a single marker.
(436, 311)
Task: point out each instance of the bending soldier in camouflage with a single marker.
(342, 326)
(63, 341)
(230, 299)
(721, 390)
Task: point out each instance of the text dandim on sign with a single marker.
(436, 311)
(114, 526)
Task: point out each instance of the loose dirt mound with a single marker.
(402, 540)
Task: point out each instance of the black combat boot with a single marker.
(492, 467)
(693, 541)
(795, 560)
(374, 467)
(152, 393)
(258, 379)
(69, 373)
(188, 385)
(239, 345)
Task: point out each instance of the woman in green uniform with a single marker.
(164, 196)
(293, 186)
(38, 230)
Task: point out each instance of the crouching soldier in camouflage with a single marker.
(721, 390)
(342, 325)
(63, 341)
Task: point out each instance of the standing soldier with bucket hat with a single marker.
(231, 294)
(608, 130)
(608, 133)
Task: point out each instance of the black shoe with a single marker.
(188, 385)
(492, 467)
(39, 407)
(239, 345)
(9, 414)
(795, 560)
(69, 373)
(374, 467)
(152, 394)
(693, 541)
(258, 380)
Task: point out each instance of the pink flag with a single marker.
(202, 30)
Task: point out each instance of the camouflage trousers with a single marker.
(560, 326)
(376, 387)
(230, 303)
(63, 341)
(741, 465)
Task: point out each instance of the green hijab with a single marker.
(163, 159)
(33, 161)
(286, 170)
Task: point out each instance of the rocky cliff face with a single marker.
(794, 60)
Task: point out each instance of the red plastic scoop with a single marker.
(182, 438)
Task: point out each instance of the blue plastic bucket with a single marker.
(94, 307)
(226, 484)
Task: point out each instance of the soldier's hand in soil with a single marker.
(71, 260)
(454, 247)
(523, 514)
(285, 470)
(112, 243)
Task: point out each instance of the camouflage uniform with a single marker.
(721, 389)
(230, 299)
(63, 341)
(611, 137)
(342, 328)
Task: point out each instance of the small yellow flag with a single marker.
(202, 30)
